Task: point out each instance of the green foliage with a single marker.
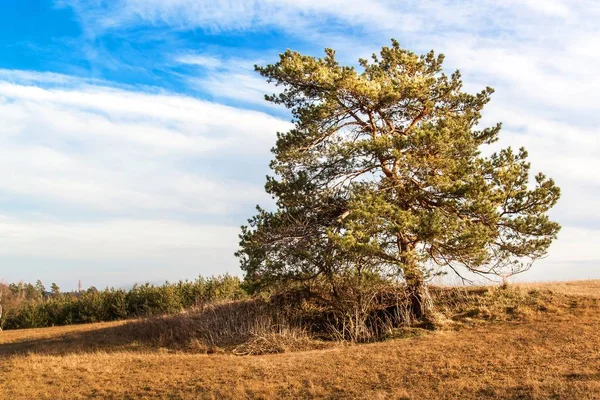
(95, 305)
(54, 289)
(383, 174)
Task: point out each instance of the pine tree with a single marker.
(383, 173)
(39, 286)
(55, 289)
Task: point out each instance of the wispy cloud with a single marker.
(79, 161)
(236, 15)
(304, 16)
(199, 60)
(110, 148)
(229, 78)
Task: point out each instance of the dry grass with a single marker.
(589, 288)
(542, 342)
(245, 327)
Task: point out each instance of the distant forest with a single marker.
(26, 305)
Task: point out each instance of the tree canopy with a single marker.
(383, 174)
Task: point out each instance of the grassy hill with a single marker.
(547, 348)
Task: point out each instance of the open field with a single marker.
(553, 352)
(590, 288)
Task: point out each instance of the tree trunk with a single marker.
(421, 304)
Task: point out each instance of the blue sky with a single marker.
(134, 138)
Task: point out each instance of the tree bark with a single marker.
(420, 302)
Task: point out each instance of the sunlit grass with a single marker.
(550, 348)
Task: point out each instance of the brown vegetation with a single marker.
(536, 341)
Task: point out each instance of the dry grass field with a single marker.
(547, 351)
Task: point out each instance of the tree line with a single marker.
(27, 305)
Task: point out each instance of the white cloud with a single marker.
(199, 60)
(236, 86)
(198, 120)
(237, 15)
(111, 239)
(306, 17)
(230, 78)
(552, 7)
(529, 71)
(89, 172)
(110, 149)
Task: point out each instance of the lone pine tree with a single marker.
(383, 173)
